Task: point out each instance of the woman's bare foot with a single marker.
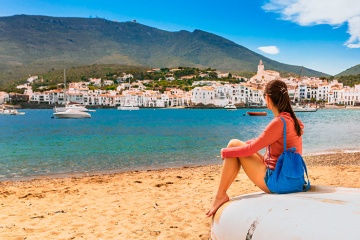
(217, 202)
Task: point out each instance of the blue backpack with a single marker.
(288, 175)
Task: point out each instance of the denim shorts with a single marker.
(267, 175)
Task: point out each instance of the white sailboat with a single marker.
(71, 110)
(302, 108)
(128, 106)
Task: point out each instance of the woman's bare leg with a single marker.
(231, 167)
(253, 167)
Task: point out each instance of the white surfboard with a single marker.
(321, 213)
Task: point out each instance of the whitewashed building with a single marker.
(204, 95)
(221, 95)
(108, 82)
(95, 81)
(346, 96)
(264, 75)
(40, 97)
(4, 97)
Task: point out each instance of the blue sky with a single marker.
(323, 35)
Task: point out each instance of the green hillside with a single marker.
(32, 45)
(350, 77)
(355, 70)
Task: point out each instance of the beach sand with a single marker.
(157, 204)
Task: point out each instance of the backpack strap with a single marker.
(282, 119)
(284, 141)
(303, 162)
(308, 181)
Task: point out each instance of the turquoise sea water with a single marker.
(35, 144)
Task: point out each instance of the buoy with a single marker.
(321, 213)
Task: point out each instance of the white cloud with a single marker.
(354, 31)
(269, 49)
(314, 12)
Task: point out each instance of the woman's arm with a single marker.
(271, 134)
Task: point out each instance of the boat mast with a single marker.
(297, 82)
(129, 92)
(65, 85)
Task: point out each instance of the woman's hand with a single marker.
(221, 153)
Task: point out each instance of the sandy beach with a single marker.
(157, 204)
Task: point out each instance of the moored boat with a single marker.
(7, 111)
(230, 106)
(72, 113)
(70, 105)
(257, 113)
(305, 108)
(128, 107)
(75, 106)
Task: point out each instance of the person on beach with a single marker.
(245, 154)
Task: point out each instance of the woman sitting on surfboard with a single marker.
(245, 154)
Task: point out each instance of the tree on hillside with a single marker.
(212, 75)
(350, 80)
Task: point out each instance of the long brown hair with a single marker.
(278, 93)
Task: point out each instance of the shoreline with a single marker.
(51, 106)
(150, 204)
(333, 158)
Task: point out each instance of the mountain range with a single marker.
(35, 44)
(354, 70)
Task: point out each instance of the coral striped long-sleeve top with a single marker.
(272, 138)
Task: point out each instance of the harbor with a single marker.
(113, 140)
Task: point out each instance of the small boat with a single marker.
(71, 105)
(7, 111)
(305, 108)
(230, 106)
(128, 107)
(75, 106)
(72, 113)
(257, 113)
(321, 213)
